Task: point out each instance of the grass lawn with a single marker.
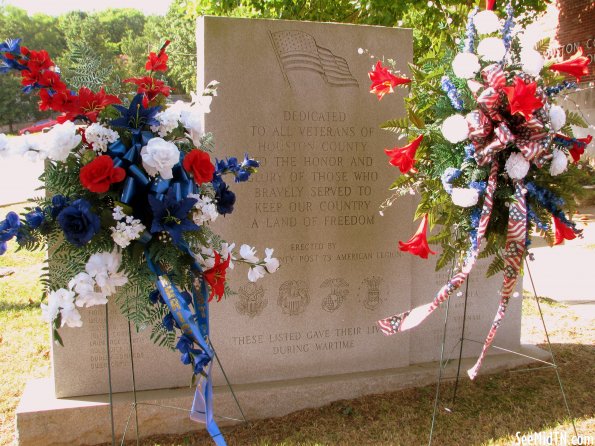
(489, 411)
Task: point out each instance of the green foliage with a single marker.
(86, 69)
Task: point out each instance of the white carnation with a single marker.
(87, 292)
(4, 145)
(104, 268)
(465, 65)
(517, 166)
(557, 117)
(464, 197)
(532, 62)
(62, 139)
(455, 128)
(486, 22)
(248, 253)
(270, 263)
(255, 273)
(159, 157)
(474, 86)
(559, 163)
(100, 136)
(491, 49)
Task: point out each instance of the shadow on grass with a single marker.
(488, 411)
(18, 306)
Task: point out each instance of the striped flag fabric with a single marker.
(298, 51)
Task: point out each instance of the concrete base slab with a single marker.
(45, 420)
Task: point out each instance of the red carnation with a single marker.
(577, 65)
(522, 99)
(383, 80)
(99, 174)
(578, 148)
(198, 163)
(404, 157)
(418, 244)
(150, 87)
(563, 232)
(215, 277)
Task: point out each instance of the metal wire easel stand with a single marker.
(135, 403)
(443, 363)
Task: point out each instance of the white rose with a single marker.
(455, 128)
(159, 157)
(62, 139)
(465, 65)
(559, 163)
(532, 62)
(491, 49)
(464, 197)
(486, 22)
(517, 166)
(557, 117)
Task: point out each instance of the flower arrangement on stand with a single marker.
(131, 191)
(491, 155)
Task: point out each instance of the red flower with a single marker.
(578, 148)
(490, 5)
(563, 232)
(383, 80)
(198, 163)
(39, 60)
(149, 86)
(215, 277)
(577, 65)
(158, 62)
(418, 244)
(88, 104)
(60, 101)
(99, 174)
(404, 157)
(522, 99)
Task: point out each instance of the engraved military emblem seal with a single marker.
(294, 297)
(251, 300)
(372, 298)
(338, 290)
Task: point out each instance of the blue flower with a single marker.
(192, 355)
(453, 94)
(35, 218)
(469, 152)
(241, 172)
(136, 116)
(78, 222)
(3, 247)
(9, 227)
(479, 185)
(447, 178)
(168, 322)
(155, 297)
(11, 46)
(59, 202)
(223, 196)
(171, 215)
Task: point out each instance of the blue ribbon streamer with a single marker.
(196, 327)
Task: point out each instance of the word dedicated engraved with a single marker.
(298, 51)
(337, 292)
(250, 300)
(294, 296)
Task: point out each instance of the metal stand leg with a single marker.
(454, 393)
(109, 376)
(547, 337)
(229, 385)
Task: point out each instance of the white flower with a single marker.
(455, 128)
(50, 310)
(206, 257)
(557, 117)
(255, 273)
(205, 209)
(100, 136)
(104, 266)
(532, 61)
(465, 65)
(118, 213)
(559, 163)
(248, 253)
(87, 294)
(4, 145)
(486, 22)
(517, 166)
(125, 231)
(491, 49)
(474, 86)
(159, 157)
(71, 317)
(227, 251)
(169, 119)
(27, 146)
(270, 263)
(62, 139)
(464, 197)
(204, 101)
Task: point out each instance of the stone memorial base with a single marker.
(44, 420)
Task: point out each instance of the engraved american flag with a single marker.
(298, 51)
